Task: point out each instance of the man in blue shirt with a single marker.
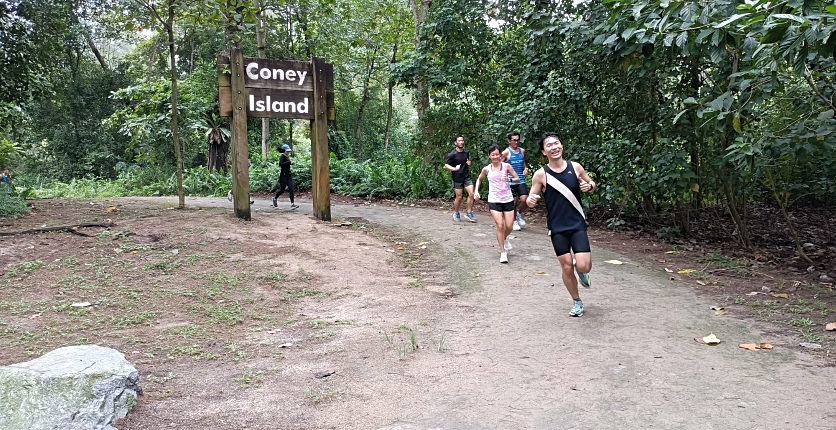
(515, 156)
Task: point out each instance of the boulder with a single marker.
(73, 388)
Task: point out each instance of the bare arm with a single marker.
(525, 167)
(587, 184)
(479, 182)
(512, 172)
(506, 155)
(451, 168)
(538, 182)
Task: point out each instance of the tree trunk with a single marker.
(174, 134)
(782, 204)
(363, 102)
(95, 50)
(260, 36)
(422, 95)
(389, 105)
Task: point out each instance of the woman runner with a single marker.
(500, 199)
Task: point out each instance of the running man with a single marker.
(458, 163)
(285, 180)
(500, 199)
(566, 222)
(515, 156)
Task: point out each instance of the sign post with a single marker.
(263, 88)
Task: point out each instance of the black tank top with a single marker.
(561, 214)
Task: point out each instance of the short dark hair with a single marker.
(457, 137)
(547, 135)
(493, 148)
(512, 134)
(281, 150)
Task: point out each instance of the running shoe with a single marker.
(229, 195)
(585, 280)
(294, 206)
(275, 203)
(503, 257)
(457, 217)
(471, 217)
(520, 220)
(516, 226)
(577, 309)
(508, 246)
(252, 201)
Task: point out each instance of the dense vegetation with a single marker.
(674, 105)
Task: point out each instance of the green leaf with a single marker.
(731, 20)
(679, 115)
(789, 17)
(736, 122)
(682, 39)
(828, 114)
(831, 9)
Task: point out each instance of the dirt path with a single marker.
(514, 358)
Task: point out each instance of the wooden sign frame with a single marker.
(265, 88)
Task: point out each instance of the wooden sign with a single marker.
(258, 87)
(275, 88)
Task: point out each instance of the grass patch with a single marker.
(133, 319)
(24, 268)
(226, 313)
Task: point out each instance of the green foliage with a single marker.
(12, 206)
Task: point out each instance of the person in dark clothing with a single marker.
(458, 163)
(561, 181)
(285, 180)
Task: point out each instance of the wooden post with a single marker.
(320, 155)
(240, 147)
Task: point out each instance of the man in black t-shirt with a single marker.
(458, 163)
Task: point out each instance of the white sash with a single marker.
(559, 186)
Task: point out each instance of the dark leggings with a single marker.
(285, 184)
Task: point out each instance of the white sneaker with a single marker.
(503, 257)
(516, 226)
(520, 220)
(508, 246)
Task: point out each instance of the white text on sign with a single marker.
(255, 73)
(277, 106)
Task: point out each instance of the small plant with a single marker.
(25, 267)
(739, 300)
(802, 322)
(252, 377)
(305, 276)
(441, 346)
(615, 223)
(669, 234)
(810, 335)
(763, 303)
(226, 313)
(319, 397)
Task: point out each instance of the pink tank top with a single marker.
(498, 189)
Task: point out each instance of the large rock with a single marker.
(73, 388)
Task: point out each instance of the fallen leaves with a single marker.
(616, 262)
(542, 274)
(719, 310)
(686, 271)
(668, 270)
(779, 295)
(755, 346)
(711, 340)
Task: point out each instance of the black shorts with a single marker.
(519, 190)
(501, 207)
(574, 240)
(462, 185)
